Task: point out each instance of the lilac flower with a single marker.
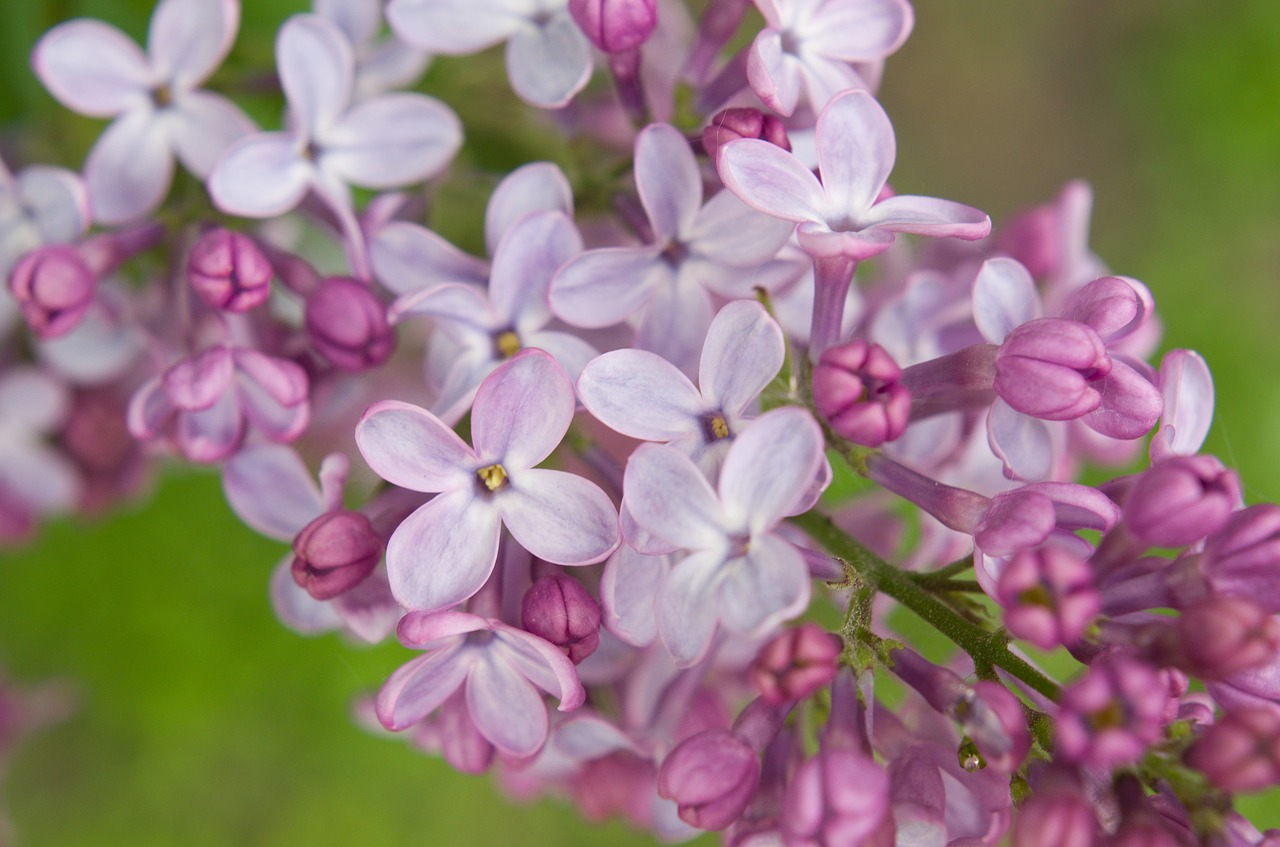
(697, 250)
(1048, 596)
(548, 57)
(807, 49)
(159, 110)
(1112, 713)
(382, 142)
(35, 479)
(740, 572)
(501, 668)
(444, 552)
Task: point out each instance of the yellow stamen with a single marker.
(719, 427)
(508, 344)
(493, 477)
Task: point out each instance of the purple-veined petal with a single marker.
(729, 231)
(1004, 297)
(824, 79)
(412, 448)
(559, 517)
(506, 708)
(454, 27)
(422, 629)
(1024, 444)
(260, 176)
(628, 590)
(461, 309)
(639, 538)
(668, 496)
(442, 553)
(569, 351)
(199, 382)
(1130, 405)
(358, 19)
(316, 68)
(543, 664)
(31, 400)
(668, 181)
(928, 216)
(535, 187)
(458, 389)
(528, 256)
(769, 468)
(418, 688)
(1187, 387)
(771, 180)
(856, 151)
(686, 608)
(522, 411)
(280, 422)
(549, 63)
(675, 323)
(760, 590)
(271, 490)
(188, 39)
(603, 287)
(211, 434)
(297, 609)
(93, 68)
(774, 74)
(129, 169)
(743, 353)
(392, 140)
(861, 30)
(202, 126)
(285, 381)
(56, 202)
(640, 394)
(409, 257)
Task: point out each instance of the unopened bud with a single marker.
(1223, 636)
(711, 777)
(796, 663)
(1181, 500)
(1241, 752)
(54, 288)
(334, 553)
(558, 609)
(1048, 368)
(732, 124)
(615, 26)
(856, 388)
(228, 271)
(347, 325)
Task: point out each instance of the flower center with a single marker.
(494, 477)
(506, 344)
(162, 96)
(714, 427)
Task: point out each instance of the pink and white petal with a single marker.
(543, 664)
(202, 127)
(675, 323)
(283, 380)
(628, 591)
(819, 241)
(1079, 506)
(1004, 297)
(188, 39)
(408, 257)
(444, 552)
(334, 469)
(461, 309)
(392, 140)
(1187, 387)
(369, 611)
(668, 181)
(32, 401)
(39, 477)
(1130, 406)
(56, 201)
(390, 64)
(641, 395)
(744, 351)
(422, 630)
(358, 19)
(668, 496)
(770, 466)
(458, 391)
(522, 411)
(316, 67)
(604, 287)
(774, 74)
(928, 216)
(771, 180)
(454, 27)
(1110, 306)
(639, 538)
(100, 349)
(569, 351)
(278, 421)
(769, 585)
(825, 79)
(149, 410)
(549, 63)
(731, 232)
(1024, 444)
(686, 610)
(535, 187)
(408, 446)
(860, 30)
(198, 383)
(506, 708)
(212, 434)
(559, 517)
(527, 258)
(856, 151)
(129, 169)
(261, 176)
(418, 688)
(297, 609)
(269, 488)
(93, 68)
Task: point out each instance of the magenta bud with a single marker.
(1058, 814)
(1045, 367)
(838, 797)
(732, 124)
(347, 324)
(1243, 558)
(228, 271)
(54, 288)
(1241, 752)
(615, 26)
(711, 776)
(334, 553)
(1181, 500)
(558, 609)
(1048, 596)
(1222, 636)
(856, 388)
(796, 663)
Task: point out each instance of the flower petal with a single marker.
(675, 323)
(856, 151)
(1130, 405)
(549, 63)
(769, 585)
(668, 181)
(454, 27)
(93, 68)
(522, 411)
(774, 74)
(444, 552)
(188, 39)
(686, 608)
(928, 216)
(392, 140)
(730, 232)
(559, 517)
(640, 394)
(211, 434)
(1187, 387)
(56, 202)
(505, 706)
(770, 466)
(1024, 444)
(667, 495)
(1004, 297)
(358, 19)
(297, 609)
(528, 256)
(535, 187)
(628, 590)
(260, 176)
(418, 688)
(543, 664)
(316, 68)
(408, 257)
(408, 446)
(202, 126)
(271, 490)
(743, 353)
(32, 401)
(129, 168)
(861, 31)
(604, 287)
(771, 180)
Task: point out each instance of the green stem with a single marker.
(983, 646)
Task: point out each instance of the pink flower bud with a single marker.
(711, 776)
(856, 388)
(54, 287)
(1223, 636)
(1241, 752)
(1243, 558)
(839, 796)
(1057, 815)
(1110, 715)
(615, 26)
(334, 553)
(1045, 368)
(228, 271)
(732, 124)
(1048, 596)
(1181, 500)
(796, 663)
(347, 324)
(558, 609)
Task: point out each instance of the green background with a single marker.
(203, 722)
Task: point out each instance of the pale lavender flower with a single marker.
(382, 64)
(444, 552)
(499, 667)
(35, 479)
(39, 205)
(159, 110)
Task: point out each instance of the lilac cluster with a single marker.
(595, 462)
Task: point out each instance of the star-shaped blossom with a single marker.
(159, 110)
(381, 142)
(739, 573)
(444, 552)
(842, 215)
(809, 47)
(548, 57)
